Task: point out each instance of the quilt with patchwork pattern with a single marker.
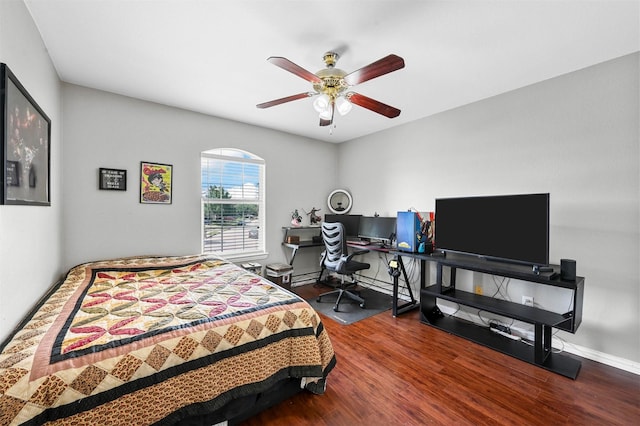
(142, 340)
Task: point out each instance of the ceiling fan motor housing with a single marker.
(332, 81)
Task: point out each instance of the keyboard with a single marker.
(359, 242)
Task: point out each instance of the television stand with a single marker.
(544, 321)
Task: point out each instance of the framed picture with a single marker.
(155, 183)
(13, 173)
(25, 156)
(114, 179)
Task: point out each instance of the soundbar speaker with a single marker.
(568, 269)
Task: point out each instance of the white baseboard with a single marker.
(603, 358)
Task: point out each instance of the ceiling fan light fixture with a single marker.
(343, 105)
(321, 103)
(326, 114)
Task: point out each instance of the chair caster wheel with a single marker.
(335, 309)
(318, 299)
(362, 305)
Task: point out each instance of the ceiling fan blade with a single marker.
(325, 122)
(380, 67)
(284, 100)
(373, 105)
(287, 65)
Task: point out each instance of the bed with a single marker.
(160, 340)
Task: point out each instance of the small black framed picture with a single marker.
(112, 179)
(13, 173)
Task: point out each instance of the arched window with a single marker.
(232, 202)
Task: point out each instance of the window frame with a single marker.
(236, 155)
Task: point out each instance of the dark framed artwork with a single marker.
(26, 145)
(13, 173)
(113, 179)
(155, 183)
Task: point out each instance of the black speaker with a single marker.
(568, 269)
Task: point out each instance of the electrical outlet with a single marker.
(527, 300)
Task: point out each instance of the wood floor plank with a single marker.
(398, 371)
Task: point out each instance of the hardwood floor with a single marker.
(397, 371)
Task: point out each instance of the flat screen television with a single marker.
(351, 222)
(377, 228)
(511, 228)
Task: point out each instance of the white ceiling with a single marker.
(210, 56)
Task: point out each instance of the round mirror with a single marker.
(340, 201)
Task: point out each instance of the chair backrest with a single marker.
(335, 244)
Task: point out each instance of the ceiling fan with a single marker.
(331, 86)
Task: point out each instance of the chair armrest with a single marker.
(356, 253)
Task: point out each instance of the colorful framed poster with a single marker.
(155, 183)
(26, 145)
(114, 179)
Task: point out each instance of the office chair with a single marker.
(336, 258)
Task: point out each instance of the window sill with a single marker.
(243, 257)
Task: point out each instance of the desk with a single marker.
(302, 233)
(413, 303)
(395, 308)
(302, 244)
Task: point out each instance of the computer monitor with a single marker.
(377, 228)
(351, 222)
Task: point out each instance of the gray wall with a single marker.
(107, 130)
(30, 237)
(576, 137)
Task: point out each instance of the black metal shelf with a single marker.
(498, 306)
(540, 353)
(505, 269)
(557, 363)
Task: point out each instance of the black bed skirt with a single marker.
(242, 408)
